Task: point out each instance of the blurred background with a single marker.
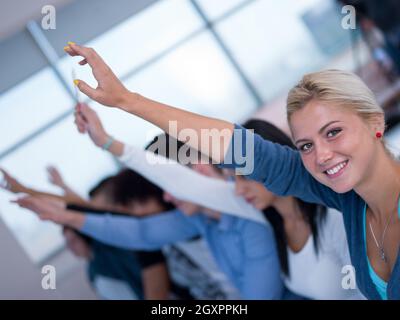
(230, 59)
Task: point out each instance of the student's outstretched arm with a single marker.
(280, 170)
(147, 233)
(191, 185)
(14, 186)
(111, 92)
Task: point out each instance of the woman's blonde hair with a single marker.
(338, 87)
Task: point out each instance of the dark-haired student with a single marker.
(112, 270)
(114, 273)
(130, 192)
(244, 250)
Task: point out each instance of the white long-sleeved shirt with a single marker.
(189, 185)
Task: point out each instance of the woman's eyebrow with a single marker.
(327, 125)
(319, 131)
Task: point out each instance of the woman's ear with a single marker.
(377, 122)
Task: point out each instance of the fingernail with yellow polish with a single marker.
(70, 42)
(66, 48)
(76, 82)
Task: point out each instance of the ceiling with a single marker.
(14, 14)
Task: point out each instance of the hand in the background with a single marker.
(11, 184)
(46, 208)
(254, 193)
(77, 244)
(110, 90)
(87, 121)
(188, 208)
(55, 177)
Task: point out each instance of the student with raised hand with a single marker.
(163, 171)
(243, 249)
(11, 184)
(312, 243)
(111, 92)
(137, 274)
(117, 273)
(131, 194)
(341, 161)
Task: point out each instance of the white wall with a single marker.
(21, 279)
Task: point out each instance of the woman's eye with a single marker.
(305, 147)
(333, 133)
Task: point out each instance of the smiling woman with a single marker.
(337, 127)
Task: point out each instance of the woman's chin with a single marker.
(341, 187)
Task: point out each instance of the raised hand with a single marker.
(46, 208)
(77, 244)
(110, 90)
(87, 121)
(55, 177)
(11, 184)
(254, 193)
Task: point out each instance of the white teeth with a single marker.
(335, 169)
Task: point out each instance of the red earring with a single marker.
(379, 134)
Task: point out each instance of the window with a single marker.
(82, 165)
(31, 105)
(197, 77)
(139, 39)
(215, 9)
(274, 45)
(393, 140)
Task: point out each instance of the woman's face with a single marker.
(188, 208)
(337, 147)
(254, 193)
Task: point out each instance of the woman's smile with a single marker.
(337, 170)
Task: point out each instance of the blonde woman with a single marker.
(341, 160)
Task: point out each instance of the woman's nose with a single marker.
(324, 154)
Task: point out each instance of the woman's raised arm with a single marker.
(178, 123)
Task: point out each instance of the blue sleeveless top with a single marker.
(380, 284)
